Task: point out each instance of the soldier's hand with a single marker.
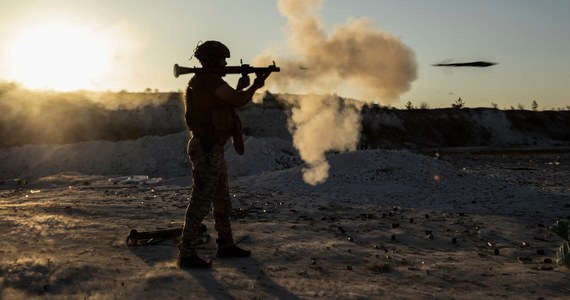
(259, 81)
(243, 82)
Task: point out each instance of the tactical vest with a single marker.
(209, 118)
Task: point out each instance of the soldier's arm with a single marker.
(239, 98)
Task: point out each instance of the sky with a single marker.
(132, 45)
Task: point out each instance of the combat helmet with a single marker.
(209, 50)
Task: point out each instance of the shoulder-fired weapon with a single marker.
(244, 69)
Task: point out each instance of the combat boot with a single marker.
(232, 251)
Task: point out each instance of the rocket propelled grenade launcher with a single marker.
(244, 69)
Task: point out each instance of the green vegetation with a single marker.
(560, 228)
(563, 254)
(459, 104)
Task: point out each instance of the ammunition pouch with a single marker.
(237, 136)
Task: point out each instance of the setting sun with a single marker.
(60, 56)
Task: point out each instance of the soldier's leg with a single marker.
(204, 183)
(195, 213)
(222, 211)
(197, 209)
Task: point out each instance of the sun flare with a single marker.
(60, 56)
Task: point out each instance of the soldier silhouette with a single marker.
(212, 120)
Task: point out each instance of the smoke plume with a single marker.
(355, 56)
(321, 124)
(372, 64)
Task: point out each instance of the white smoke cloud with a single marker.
(321, 124)
(371, 63)
(354, 55)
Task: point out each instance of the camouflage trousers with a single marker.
(209, 193)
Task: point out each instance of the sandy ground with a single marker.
(385, 225)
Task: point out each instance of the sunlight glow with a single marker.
(60, 56)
